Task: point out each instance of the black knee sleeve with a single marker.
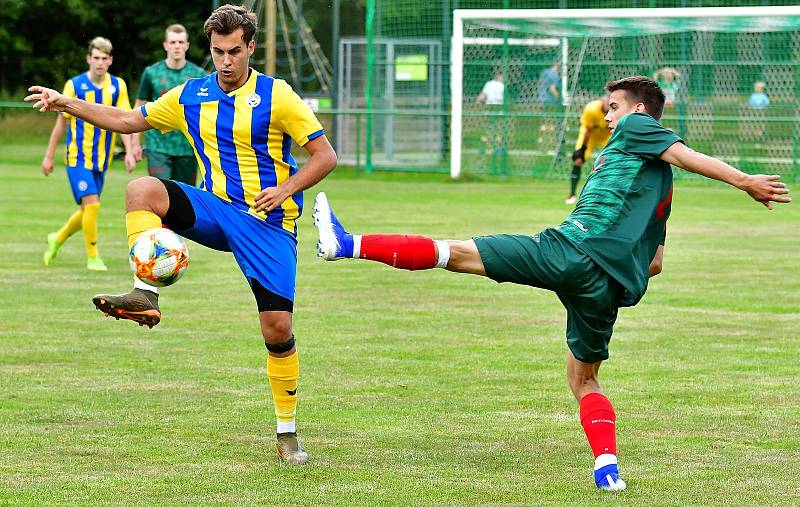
(278, 348)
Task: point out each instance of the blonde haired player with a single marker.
(88, 150)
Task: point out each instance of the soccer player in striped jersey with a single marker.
(88, 150)
(241, 125)
(597, 260)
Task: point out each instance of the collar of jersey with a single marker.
(248, 87)
(102, 86)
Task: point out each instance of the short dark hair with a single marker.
(227, 18)
(641, 89)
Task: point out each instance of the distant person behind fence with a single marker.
(549, 81)
(759, 99)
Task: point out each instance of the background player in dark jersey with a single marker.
(169, 155)
(596, 261)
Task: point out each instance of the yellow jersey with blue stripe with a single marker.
(242, 139)
(88, 146)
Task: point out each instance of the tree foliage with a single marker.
(44, 41)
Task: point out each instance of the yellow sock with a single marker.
(89, 224)
(136, 222)
(283, 373)
(72, 226)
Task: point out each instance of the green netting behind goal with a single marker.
(709, 73)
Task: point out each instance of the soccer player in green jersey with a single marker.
(241, 124)
(169, 155)
(597, 260)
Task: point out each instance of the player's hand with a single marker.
(766, 189)
(47, 99)
(270, 198)
(47, 166)
(130, 161)
(579, 156)
(137, 152)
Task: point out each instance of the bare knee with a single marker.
(276, 327)
(465, 258)
(147, 194)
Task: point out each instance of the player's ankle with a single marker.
(604, 460)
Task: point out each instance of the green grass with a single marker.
(424, 388)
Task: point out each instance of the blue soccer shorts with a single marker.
(85, 182)
(264, 251)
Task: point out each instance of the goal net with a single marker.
(731, 76)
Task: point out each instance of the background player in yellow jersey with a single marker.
(241, 124)
(88, 150)
(593, 134)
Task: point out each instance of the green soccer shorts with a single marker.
(169, 167)
(549, 261)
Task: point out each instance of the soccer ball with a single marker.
(159, 257)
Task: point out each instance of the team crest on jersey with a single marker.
(112, 89)
(254, 100)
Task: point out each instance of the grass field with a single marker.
(416, 388)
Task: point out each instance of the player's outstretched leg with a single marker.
(334, 241)
(139, 305)
(397, 250)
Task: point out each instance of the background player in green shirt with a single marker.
(596, 261)
(169, 156)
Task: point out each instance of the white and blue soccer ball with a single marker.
(159, 257)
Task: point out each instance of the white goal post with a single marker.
(596, 20)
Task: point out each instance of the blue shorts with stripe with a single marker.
(85, 182)
(264, 251)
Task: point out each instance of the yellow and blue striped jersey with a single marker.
(241, 139)
(88, 146)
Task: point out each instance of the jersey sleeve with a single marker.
(293, 115)
(123, 101)
(69, 91)
(645, 137)
(145, 87)
(166, 112)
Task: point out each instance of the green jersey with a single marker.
(158, 79)
(620, 218)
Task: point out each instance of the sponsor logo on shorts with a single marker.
(82, 185)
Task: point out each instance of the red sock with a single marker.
(399, 251)
(600, 424)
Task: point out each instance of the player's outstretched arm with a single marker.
(764, 188)
(319, 165)
(105, 117)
